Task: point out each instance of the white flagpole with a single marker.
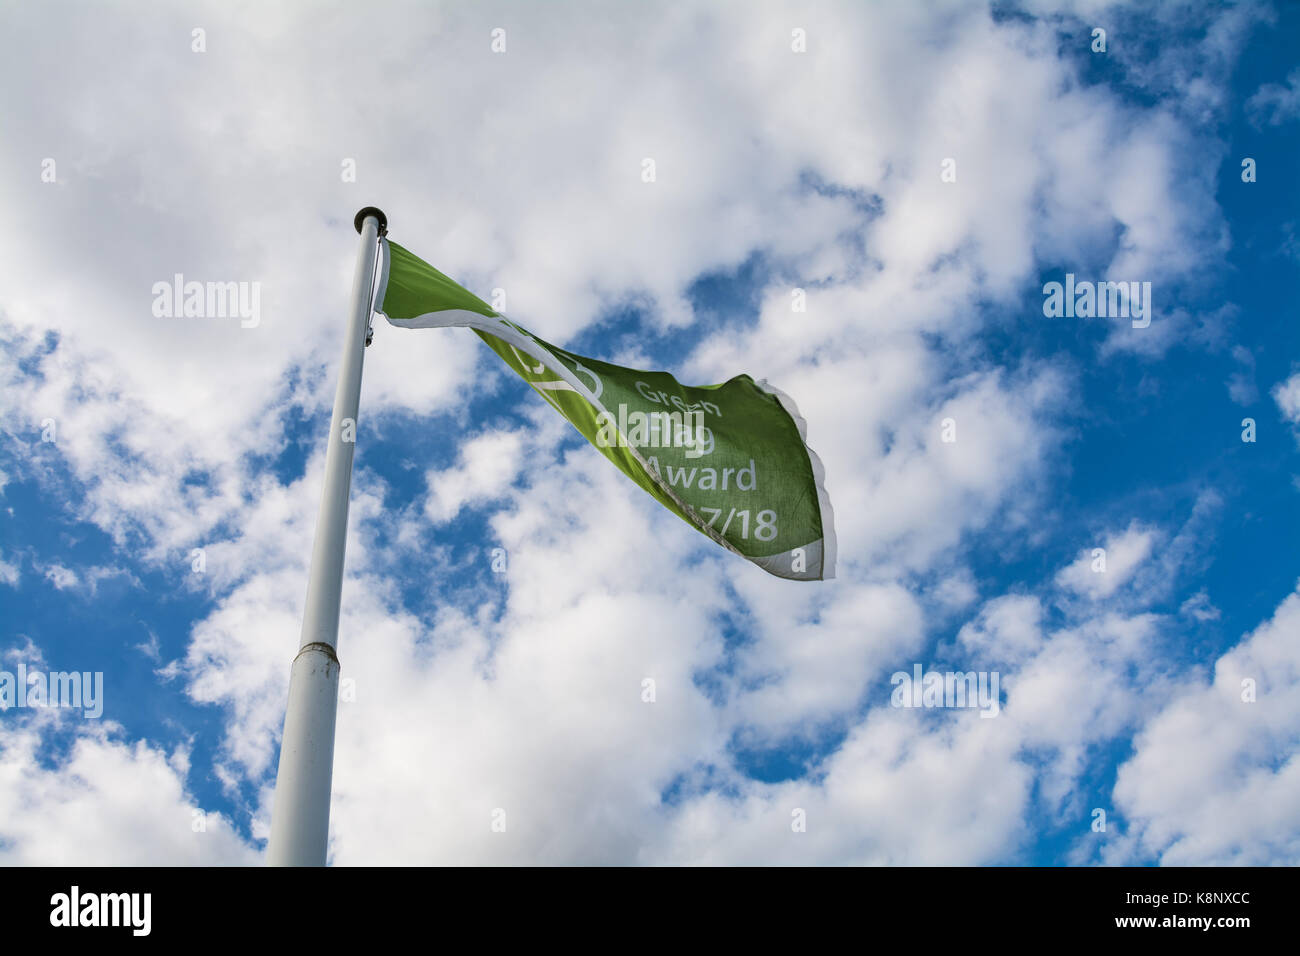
(300, 816)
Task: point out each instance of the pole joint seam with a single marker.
(326, 649)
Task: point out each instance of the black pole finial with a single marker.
(371, 211)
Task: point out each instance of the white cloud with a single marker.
(107, 802)
(61, 577)
(9, 573)
(1241, 385)
(151, 648)
(1276, 103)
(1287, 396)
(1095, 575)
(961, 779)
(1214, 778)
(1008, 628)
(798, 670)
(1199, 607)
(487, 465)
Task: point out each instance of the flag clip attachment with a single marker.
(383, 231)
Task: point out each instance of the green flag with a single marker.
(728, 459)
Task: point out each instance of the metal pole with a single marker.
(300, 816)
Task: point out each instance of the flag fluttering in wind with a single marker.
(728, 459)
(731, 460)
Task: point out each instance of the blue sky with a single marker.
(820, 170)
